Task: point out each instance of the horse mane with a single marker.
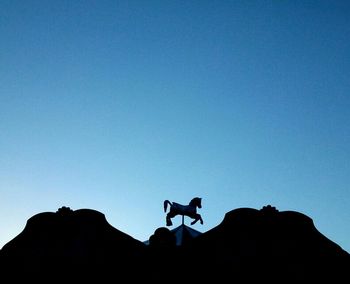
(195, 201)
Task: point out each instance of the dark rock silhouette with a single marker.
(249, 245)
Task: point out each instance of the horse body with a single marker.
(189, 210)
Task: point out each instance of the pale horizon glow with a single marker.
(118, 105)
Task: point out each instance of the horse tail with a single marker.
(166, 202)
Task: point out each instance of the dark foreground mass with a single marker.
(249, 245)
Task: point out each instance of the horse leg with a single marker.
(168, 219)
(196, 218)
(200, 219)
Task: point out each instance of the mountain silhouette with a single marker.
(249, 245)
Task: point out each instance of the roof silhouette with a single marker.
(184, 234)
(179, 236)
(248, 245)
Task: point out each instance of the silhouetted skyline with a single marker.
(249, 244)
(120, 105)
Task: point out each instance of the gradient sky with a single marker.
(119, 105)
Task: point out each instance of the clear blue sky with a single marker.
(119, 105)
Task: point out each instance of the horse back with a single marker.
(184, 209)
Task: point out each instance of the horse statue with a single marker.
(189, 210)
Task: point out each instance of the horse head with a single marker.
(197, 201)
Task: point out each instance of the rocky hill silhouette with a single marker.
(249, 245)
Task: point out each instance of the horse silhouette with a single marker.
(189, 210)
